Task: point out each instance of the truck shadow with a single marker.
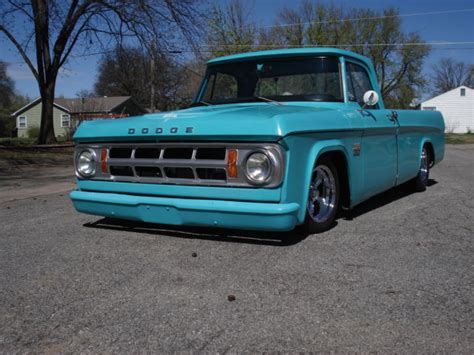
(382, 199)
(249, 237)
(204, 233)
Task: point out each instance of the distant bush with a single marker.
(33, 132)
(17, 142)
(63, 139)
(469, 130)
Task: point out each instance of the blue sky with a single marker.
(80, 73)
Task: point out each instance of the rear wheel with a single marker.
(323, 197)
(421, 180)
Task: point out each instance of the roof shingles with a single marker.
(91, 104)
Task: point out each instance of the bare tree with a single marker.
(84, 93)
(52, 29)
(397, 56)
(7, 87)
(10, 101)
(128, 71)
(231, 28)
(449, 74)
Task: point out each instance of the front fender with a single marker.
(303, 153)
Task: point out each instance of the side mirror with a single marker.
(371, 98)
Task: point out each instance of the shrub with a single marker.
(469, 130)
(33, 132)
(16, 142)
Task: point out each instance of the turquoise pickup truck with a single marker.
(273, 140)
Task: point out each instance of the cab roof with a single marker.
(290, 52)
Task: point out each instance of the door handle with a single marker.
(393, 116)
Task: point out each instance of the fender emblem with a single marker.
(356, 149)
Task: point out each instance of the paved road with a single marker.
(35, 180)
(397, 274)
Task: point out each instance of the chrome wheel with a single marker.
(322, 194)
(424, 167)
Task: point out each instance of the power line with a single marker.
(288, 47)
(278, 46)
(282, 47)
(434, 43)
(368, 18)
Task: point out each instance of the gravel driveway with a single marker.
(396, 274)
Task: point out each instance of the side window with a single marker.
(65, 121)
(22, 122)
(221, 87)
(358, 82)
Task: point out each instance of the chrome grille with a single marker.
(177, 163)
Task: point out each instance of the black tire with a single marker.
(420, 182)
(321, 220)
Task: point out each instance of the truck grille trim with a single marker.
(177, 163)
(168, 153)
(167, 164)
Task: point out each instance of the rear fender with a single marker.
(423, 141)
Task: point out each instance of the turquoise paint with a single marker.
(390, 153)
(417, 128)
(203, 192)
(290, 52)
(193, 212)
(237, 122)
(300, 166)
(342, 62)
(367, 64)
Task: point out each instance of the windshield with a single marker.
(292, 79)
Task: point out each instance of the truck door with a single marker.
(378, 148)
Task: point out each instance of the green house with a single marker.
(68, 113)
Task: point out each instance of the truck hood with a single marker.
(252, 121)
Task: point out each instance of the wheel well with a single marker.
(340, 161)
(429, 146)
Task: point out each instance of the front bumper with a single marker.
(191, 212)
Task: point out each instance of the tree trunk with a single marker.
(46, 135)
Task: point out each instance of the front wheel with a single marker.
(421, 180)
(323, 197)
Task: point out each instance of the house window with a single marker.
(463, 92)
(22, 122)
(429, 108)
(65, 121)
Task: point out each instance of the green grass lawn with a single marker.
(17, 142)
(24, 142)
(14, 157)
(453, 138)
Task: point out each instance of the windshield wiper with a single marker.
(263, 98)
(199, 103)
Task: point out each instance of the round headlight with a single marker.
(86, 163)
(258, 167)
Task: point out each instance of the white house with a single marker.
(457, 107)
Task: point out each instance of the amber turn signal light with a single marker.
(103, 160)
(232, 163)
